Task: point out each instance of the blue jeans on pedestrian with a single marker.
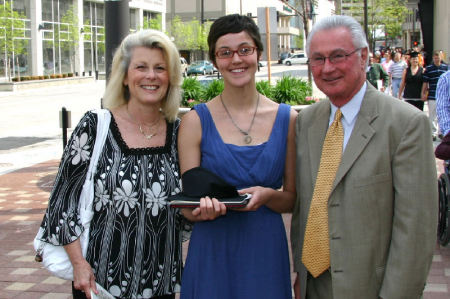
(396, 86)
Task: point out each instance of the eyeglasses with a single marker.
(333, 59)
(241, 51)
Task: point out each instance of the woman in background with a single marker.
(411, 85)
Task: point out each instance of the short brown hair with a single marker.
(233, 24)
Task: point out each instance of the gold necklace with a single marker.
(247, 137)
(150, 136)
(146, 136)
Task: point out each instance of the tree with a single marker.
(68, 34)
(304, 11)
(154, 23)
(394, 10)
(12, 36)
(383, 16)
(189, 35)
(298, 41)
(96, 36)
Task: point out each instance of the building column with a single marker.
(79, 52)
(139, 18)
(37, 65)
(408, 39)
(163, 17)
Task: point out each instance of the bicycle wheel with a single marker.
(443, 221)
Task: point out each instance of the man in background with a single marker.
(430, 79)
(376, 75)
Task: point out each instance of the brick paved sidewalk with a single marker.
(23, 199)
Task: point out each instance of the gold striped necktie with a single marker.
(316, 246)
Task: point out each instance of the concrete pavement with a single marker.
(23, 199)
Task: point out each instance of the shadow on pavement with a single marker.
(8, 143)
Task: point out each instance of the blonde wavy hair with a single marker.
(117, 94)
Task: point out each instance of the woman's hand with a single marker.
(83, 278)
(209, 209)
(260, 197)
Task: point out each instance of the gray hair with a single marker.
(116, 93)
(358, 36)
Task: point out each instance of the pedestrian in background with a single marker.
(396, 73)
(376, 74)
(443, 103)
(364, 223)
(248, 140)
(430, 79)
(386, 64)
(411, 85)
(134, 248)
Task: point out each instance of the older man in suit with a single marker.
(364, 223)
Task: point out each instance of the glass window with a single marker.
(47, 10)
(133, 19)
(100, 14)
(22, 7)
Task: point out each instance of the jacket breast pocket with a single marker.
(372, 180)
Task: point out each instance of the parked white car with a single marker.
(298, 58)
(184, 66)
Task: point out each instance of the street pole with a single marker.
(268, 43)
(117, 27)
(366, 27)
(202, 20)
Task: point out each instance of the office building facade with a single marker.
(44, 40)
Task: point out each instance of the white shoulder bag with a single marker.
(55, 258)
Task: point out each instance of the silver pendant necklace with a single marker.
(247, 137)
(146, 136)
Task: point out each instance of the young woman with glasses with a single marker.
(248, 140)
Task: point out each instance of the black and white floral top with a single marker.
(135, 238)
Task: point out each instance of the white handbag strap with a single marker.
(103, 121)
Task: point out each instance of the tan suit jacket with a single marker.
(383, 205)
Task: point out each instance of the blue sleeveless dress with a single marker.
(242, 254)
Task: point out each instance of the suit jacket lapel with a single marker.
(361, 134)
(316, 137)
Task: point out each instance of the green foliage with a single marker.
(67, 34)
(264, 88)
(69, 29)
(298, 41)
(94, 34)
(189, 35)
(292, 91)
(289, 90)
(213, 89)
(154, 23)
(385, 15)
(192, 91)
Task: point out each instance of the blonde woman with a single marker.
(134, 247)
